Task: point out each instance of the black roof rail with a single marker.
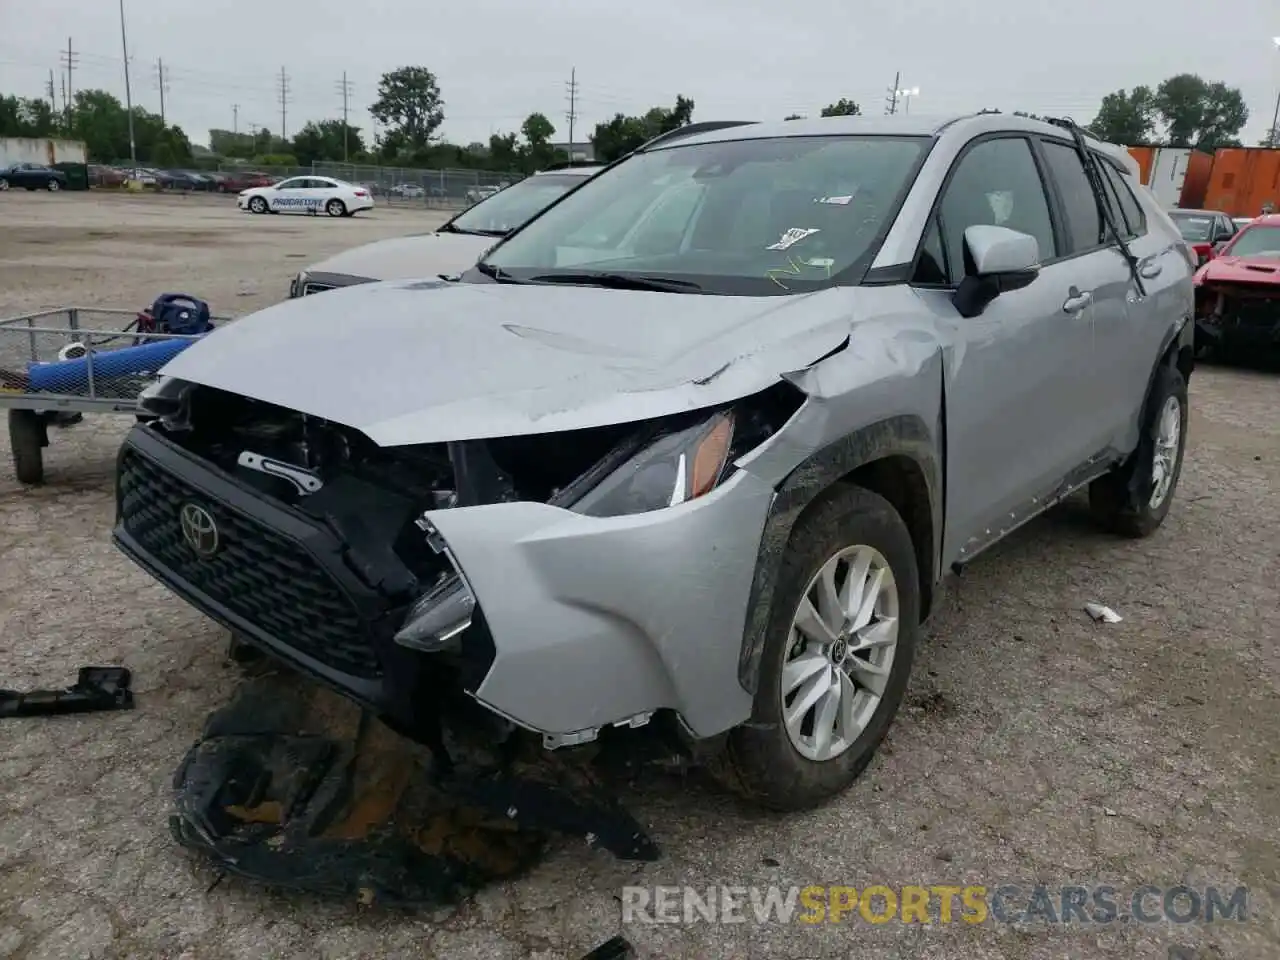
(570, 165)
(690, 129)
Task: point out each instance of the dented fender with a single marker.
(880, 396)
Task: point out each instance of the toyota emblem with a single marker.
(199, 530)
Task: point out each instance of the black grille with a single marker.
(266, 578)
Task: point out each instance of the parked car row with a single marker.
(202, 181)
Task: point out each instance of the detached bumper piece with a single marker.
(297, 788)
(96, 689)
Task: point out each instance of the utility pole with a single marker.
(53, 93)
(344, 87)
(235, 119)
(163, 84)
(128, 95)
(62, 85)
(572, 89)
(284, 103)
(69, 60)
(891, 106)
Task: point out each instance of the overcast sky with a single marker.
(499, 60)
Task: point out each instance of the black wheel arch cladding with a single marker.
(896, 458)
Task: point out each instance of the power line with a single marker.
(284, 103)
(344, 87)
(891, 104)
(571, 89)
(69, 60)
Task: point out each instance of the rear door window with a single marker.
(1084, 225)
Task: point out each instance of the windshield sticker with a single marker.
(843, 201)
(793, 269)
(792, 237)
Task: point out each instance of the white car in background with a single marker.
(311, 195)
(451, 248)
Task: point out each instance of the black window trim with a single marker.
(1121, 177)
(935, 212)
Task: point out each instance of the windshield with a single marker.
(767, 216)
(509, 208)
(1192, 228)
(1256, 241)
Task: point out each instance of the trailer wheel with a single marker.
(28, 438)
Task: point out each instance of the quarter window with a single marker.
(1133, 214)
(996, 183)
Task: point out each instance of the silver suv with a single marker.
(700, 440)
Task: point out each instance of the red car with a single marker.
(1203, 230)
(1238, 291)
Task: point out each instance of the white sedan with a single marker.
(307, 195)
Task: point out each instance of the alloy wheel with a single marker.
(840, 652)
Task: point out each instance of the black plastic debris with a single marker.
(295, 787)
(96, 689)
(615, 948)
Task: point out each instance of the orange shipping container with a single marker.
(1145, 157)
(1243, 179)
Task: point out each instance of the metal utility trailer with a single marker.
(90, 387)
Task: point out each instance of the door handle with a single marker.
(1151, 270)
(1077, 301)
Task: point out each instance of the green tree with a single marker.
(28, 117)
(410, 106)
(325, 141)
(1200, 114)
(844, 107)
(537, 151)
(504, 151)
(619, 136)
(1126, 117)
(1272, 139)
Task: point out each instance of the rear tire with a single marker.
(27, 438)
(761, 760)
(4, 184)
(1134, 498)
(53, 186)
(335, 208)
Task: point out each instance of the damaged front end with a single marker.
(535, 589)
(1239, 314)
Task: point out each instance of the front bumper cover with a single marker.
(587, 622)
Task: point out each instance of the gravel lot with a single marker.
(1036, 745)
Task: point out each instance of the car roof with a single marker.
(903, 125)
(1191, 211)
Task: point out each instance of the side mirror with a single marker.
(997, 260)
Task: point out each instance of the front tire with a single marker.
(1134, 498)
(257, 205)
(4, 184)
(335, 208)
(53, 186)
(842, 634)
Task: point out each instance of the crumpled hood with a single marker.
(408, 258)
(1229, 269)
(430, 361)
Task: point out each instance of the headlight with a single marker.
(672, 469)
(165, 398)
